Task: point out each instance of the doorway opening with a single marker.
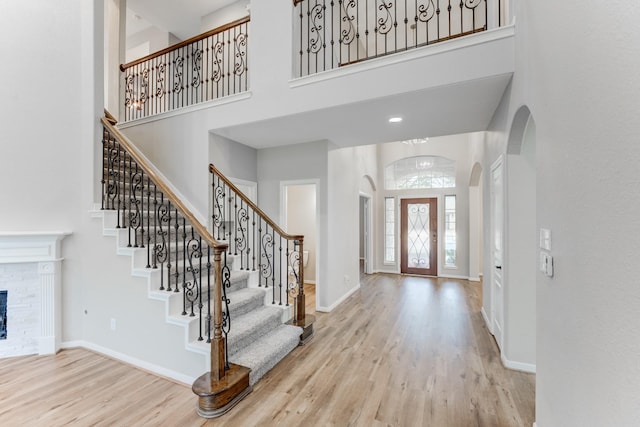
(366, 233)
(299, 216)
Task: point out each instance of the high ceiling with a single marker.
(181, 18)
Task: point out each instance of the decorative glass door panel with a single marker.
(419, 236)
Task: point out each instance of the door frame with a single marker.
(438, 254)
(499, 163)
(368, 232)
(320, 239)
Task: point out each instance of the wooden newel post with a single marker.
(218, 341)
(301, 318)
(220, 390)
(300, 302)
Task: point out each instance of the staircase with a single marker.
(185, 267)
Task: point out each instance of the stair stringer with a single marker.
(173, 300)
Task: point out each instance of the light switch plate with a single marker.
(546, 264)
(545, 239)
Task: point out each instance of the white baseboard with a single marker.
(474, 279)
(144, 365)
(486, 320)
(340, 301)
(453, 276)
(309, 282)
(518, 366)
(534, 424)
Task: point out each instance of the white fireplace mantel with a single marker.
(43, 249)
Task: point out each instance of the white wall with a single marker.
(301, 220)
(50, 130)
(233, 159)
(521, 253)
(582, 90)
(224, 15)
(347, 167)
(298, 162)
(148, 41)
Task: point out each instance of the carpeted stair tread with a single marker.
(251, 326)
(244, 300)
(264, 353)
(238, 280)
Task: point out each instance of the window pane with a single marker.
(420, 172)
(389, 229)
(450, 243)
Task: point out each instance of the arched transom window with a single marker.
(420, 172)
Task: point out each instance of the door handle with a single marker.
(499, 267)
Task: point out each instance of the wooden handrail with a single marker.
(110, 117)
(133, 152)
(255, 207)
(187, 42)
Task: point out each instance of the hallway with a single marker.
(402, 351)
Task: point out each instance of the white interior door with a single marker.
(497, 247)
(367, 236)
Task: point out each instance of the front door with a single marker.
(419, 236)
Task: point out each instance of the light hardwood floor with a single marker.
(402, 351)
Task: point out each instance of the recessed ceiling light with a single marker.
(395, 119)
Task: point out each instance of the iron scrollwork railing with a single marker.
(189, 259)
(258, 243)
(206, 67)
(334, 33)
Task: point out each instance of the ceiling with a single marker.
(181, 18)
(452, 109)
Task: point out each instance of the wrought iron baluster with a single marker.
(461, 5)
(169, 244)
(236, 225)
(406, 25)
(135, 194)
(261, 252)
(235, 55)
(104, 165)
(242, 241)
(126, 219)
(141, 219)
(227, 37)
(273, 257)
(226, 319)
(449, 16)
(395, 26)
(191, 274)
(176, 272)
(255, 246)
(280, 269)
(300, 14)
(149, 215)
(332, 54)
(209, 272)
(267, 256)
(289, 271)
(438, 21)
(229, 217)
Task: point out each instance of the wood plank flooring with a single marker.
(402, 351)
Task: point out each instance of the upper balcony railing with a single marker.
(206, 67)
(334, 33)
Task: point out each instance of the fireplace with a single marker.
(30, 300)
(3, 315)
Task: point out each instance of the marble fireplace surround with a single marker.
(30, 267)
